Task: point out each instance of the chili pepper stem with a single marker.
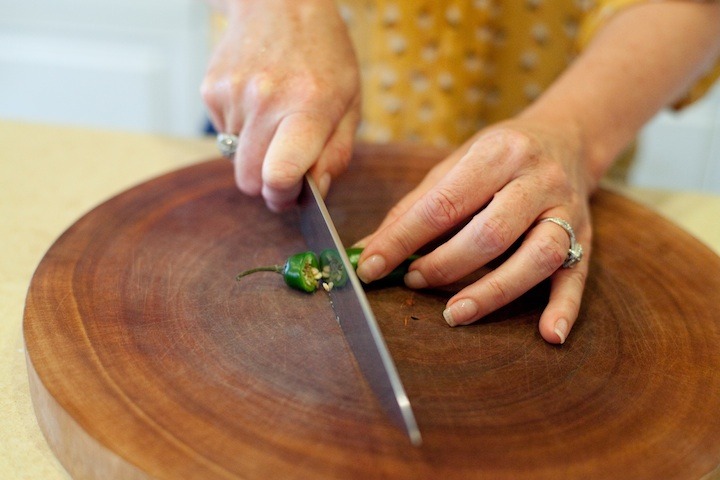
(269, 268)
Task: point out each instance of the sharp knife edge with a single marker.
(356, 319)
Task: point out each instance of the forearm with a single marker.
(642, 60)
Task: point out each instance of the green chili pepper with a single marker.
(301, 271)
(307, 271)
(353, 254)
(332, 269)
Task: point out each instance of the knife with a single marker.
(356, 319)
(351, 306)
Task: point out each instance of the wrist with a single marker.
(576, 137)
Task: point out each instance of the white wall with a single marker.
(681, 150)
(121, 64)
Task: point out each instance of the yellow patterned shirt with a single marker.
(438, 70)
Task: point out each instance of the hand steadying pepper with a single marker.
(307, 271)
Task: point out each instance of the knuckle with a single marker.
(442, 209)
(340, 154)
(493, 235)
(499, 293)
(578, 277)
(259, 91)
(404, 239)
(309, 92)
(281, 175)
(208, 92)
(213, 93)
(396, 211)
(547, 254)
(436, 272)
(513, 142)
(515, 139)
(556, 179)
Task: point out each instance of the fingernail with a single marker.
(461, 312)
(324, 184)
(561, 329)
(415, 279)
(371, 268)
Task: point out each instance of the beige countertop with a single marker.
(51, 175)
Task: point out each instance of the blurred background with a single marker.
(137, 66)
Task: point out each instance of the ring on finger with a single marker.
(227, 144)
(575, 252)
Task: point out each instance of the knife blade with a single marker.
(356, 319)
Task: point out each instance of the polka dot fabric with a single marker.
(437, 71)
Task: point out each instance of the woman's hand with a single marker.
(284, 78)
(504, 180)
(545, 163)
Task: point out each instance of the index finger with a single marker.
(297, 144)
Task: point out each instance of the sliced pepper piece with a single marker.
(332, 268)
(301, 271)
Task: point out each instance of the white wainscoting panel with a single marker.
(131, 65)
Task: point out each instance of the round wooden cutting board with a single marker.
(147, 358)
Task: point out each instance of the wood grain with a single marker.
(147, 359)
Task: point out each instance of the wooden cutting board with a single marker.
(147, 359)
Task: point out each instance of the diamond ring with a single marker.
(227, 144)
(575, 252)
